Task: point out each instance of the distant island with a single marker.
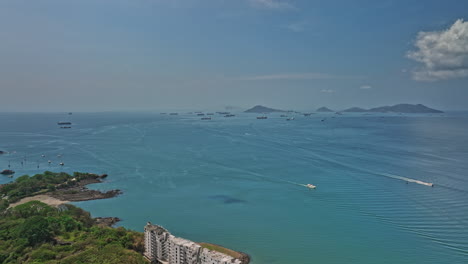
(355, 110)
(398, 108)
(324, 109)
(262, 109)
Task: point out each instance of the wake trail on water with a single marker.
(388, 175)
(258, 175)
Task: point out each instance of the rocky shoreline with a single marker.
(107, 221)
(79, 191)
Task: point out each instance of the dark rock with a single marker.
(106, 221)
(7, 172)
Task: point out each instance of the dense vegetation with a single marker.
(40, 183)
(37, 233)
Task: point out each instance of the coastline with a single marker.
(44, 198)
(74, 188)
(79, 191)
(65, 193)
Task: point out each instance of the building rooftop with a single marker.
(184, 242)
(156, 228)
(218, 255)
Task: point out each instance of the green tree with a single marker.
(36, 230)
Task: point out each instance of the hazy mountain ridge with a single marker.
(324, 109)
(263, 109)
(398, 108)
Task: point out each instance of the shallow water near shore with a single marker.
(238, 182)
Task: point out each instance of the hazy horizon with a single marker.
(150, 55)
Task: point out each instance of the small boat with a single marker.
(43, 155)
(283, 115)
(65, 127)
(290, 118)
(63, 123)
(307, 114)
(7, 172)
(262, 117)
(200, 114)
(61, 163)
(206, 118)
(49, 162)
(311, 186)
(229, 115)
(173, 113)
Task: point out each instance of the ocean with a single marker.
(239, 181)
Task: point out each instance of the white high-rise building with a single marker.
(162, 247)
(183, 251)
(156, 242)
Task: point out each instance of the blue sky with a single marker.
(93, 55)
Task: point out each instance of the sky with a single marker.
(112, 55)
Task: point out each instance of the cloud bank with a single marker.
(271, 4)
(443, 54)
(327, 91)
(294, 76)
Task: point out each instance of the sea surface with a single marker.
(238, 181)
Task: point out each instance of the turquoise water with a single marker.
(237, 181)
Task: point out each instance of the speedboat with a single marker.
(311, 186)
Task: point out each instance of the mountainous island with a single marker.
(263, 109)
(398, 108)
(324, 109)
(355, 110)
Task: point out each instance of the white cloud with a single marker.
(272, 4)
(365, 87)
(295, 76)
(444, 54)
(297, 27)
(327, 91)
